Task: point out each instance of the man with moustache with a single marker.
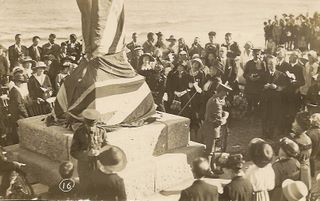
(35, 51)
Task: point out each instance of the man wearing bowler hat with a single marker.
(87, 142)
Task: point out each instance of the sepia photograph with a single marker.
(160, 100)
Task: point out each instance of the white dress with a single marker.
(262, 180)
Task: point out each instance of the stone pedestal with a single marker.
(158, 154)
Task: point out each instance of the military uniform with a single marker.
(210, 130)
(84, 140)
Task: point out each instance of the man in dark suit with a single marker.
(200, 190)
(51, 47)
(148, 46)
(232, 47)
(134, 43)
(212, 46)
(74, 48)
(35, 51)
(282, 65)
(271, 98)
(17, 51)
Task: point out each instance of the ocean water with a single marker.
(183, 18)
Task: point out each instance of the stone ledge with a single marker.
(54, 142)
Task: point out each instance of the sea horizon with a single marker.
(182, 18)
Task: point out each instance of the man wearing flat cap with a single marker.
(212, 46)
(87, 142)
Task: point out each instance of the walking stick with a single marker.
(185, 106)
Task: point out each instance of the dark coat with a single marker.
(239, 189)
(84, 140)
(32, 53)
(272, 102)
(297, 70)
(233, 50)
(200, 191)
(14, 54)
(131, 46)
(195, 49)
(53, 49)
(254, 86)
(109, 187)
(283, 66)
(288, 168)
(148, 47)
(17, 106)
(212, 48)
(313, 95)
(35, 90)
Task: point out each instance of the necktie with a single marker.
(37, 56)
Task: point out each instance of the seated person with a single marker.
(67, 188)
(200, 190)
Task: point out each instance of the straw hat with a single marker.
(91, 114)
(17, 69)
(111, 159)
(294, 190)
(39, 64)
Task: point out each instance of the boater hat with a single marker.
(91, 114)
(294, 190)
(171, 38)
(28, 59)
(111, 159)
(39, 64)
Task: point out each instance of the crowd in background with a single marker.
(212, 85)
(295, 32)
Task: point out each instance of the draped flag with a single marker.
(104, 80)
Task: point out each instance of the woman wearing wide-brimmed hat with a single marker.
(40, 88)
(107, 185)
(260, 173)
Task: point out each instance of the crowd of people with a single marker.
(295, 32)
(212, 85)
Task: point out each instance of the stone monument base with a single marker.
(159, 154)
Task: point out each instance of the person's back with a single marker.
(240, 189)
(108, 187)
(200, 191)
